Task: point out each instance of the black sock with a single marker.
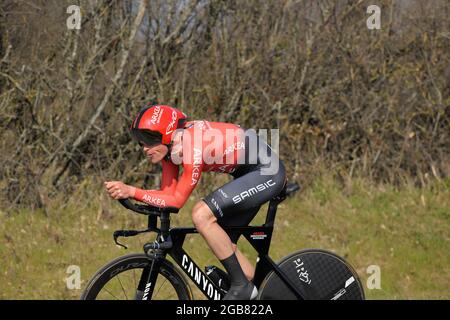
(234, 270)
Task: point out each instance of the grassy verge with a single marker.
(403, 231)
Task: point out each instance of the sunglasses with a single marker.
(146, 137)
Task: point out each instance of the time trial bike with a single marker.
(303, 275)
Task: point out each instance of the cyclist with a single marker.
(200, 146)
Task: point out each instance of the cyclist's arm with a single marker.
(169, 176)
(180, 194)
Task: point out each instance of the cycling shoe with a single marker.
(247, 291)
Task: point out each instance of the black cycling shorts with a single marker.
(237, 202)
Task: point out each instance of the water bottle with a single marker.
(218, 277)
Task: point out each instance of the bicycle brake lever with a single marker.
(126, 233)
(116, 235)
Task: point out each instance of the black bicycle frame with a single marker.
(259, 237)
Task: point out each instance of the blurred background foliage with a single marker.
(364, 120)
(359, 102)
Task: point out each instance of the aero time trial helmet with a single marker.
(155, 124)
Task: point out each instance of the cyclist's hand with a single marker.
(119, 190)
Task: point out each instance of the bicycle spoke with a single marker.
(123, 289)
(134, 277)
(110, 293)
(161, 286)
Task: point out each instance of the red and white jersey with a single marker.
(207, 146)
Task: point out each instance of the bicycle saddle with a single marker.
(289, 189)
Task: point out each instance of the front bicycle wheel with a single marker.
(320, 274)
(119, 280)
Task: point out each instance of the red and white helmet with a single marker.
(156, 124)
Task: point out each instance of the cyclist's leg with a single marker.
(221, 243)
(246, 265)
(235, 204)
(206, 224)
(244, 219)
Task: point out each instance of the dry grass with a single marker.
(404, 231)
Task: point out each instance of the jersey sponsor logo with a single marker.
(196, 166)
(225, 168)
(171, 125)
(156, 116)
(223, 193)
(216, 205)
(235, 146)
(154, 200)
(199, 278)
(254, 190)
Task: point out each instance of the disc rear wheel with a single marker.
(320, 274)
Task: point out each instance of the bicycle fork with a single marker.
(147, 281)
(157, 251)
